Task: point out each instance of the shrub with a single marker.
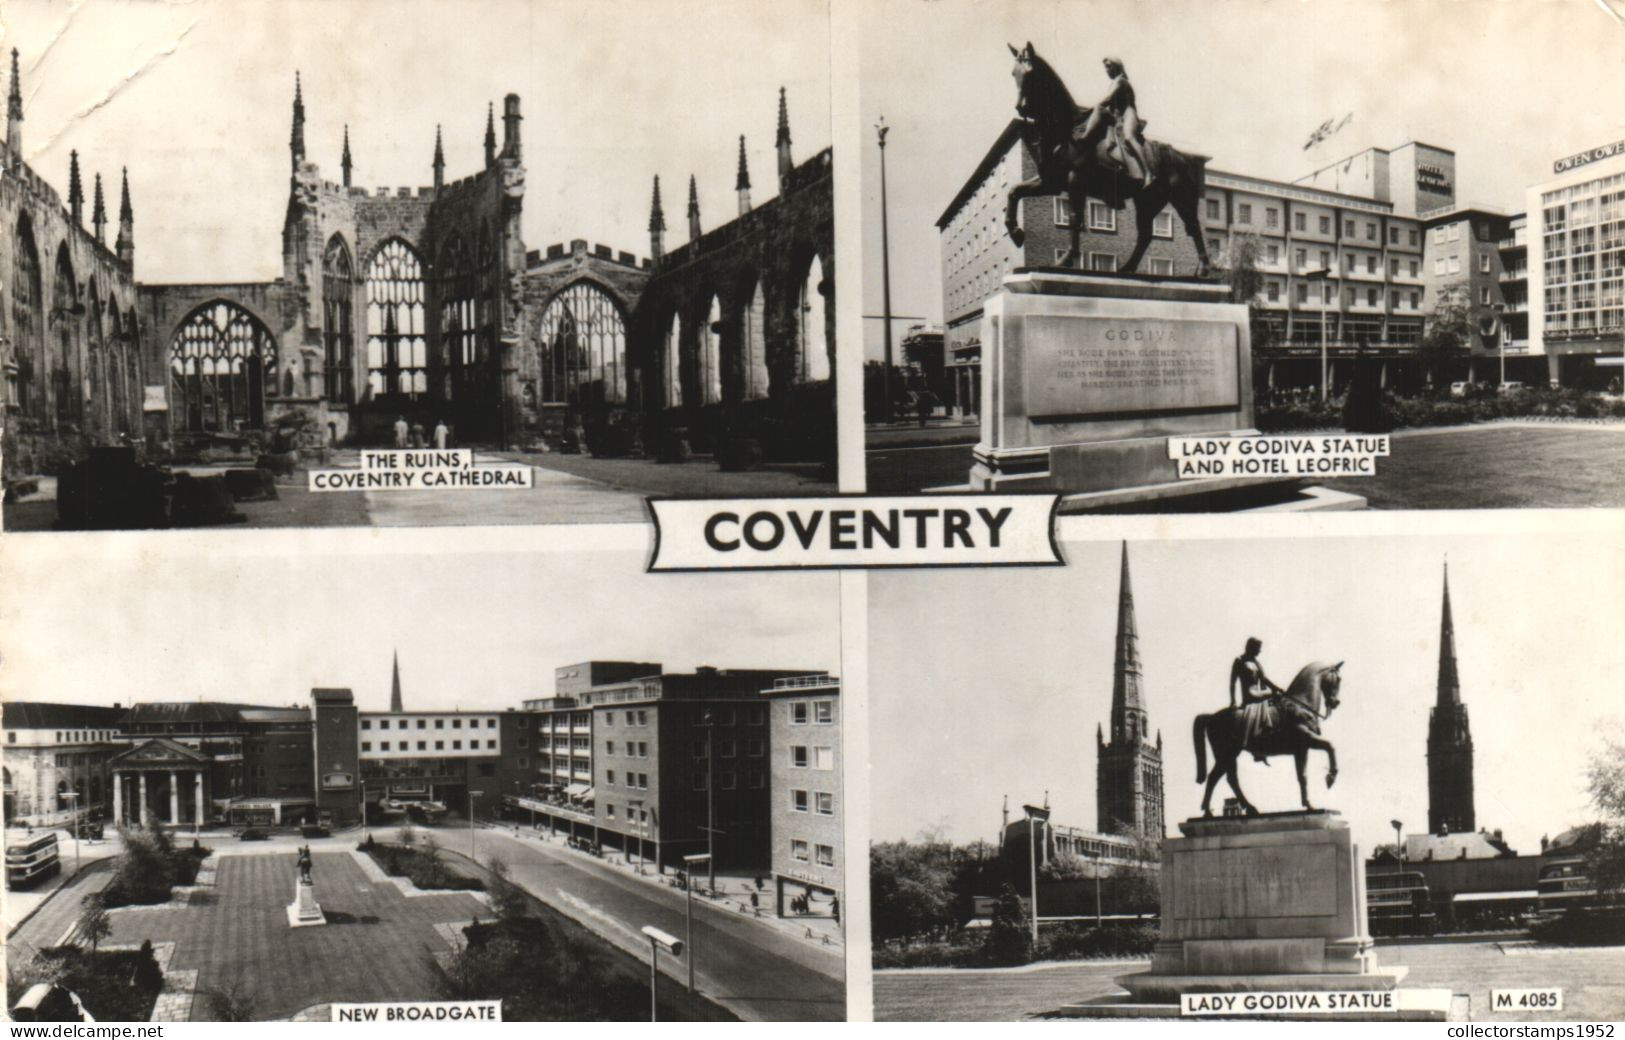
(113, 985)
(1081, 941)
(1583, 927)
(423, 868)
(1008, 938)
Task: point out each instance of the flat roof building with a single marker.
(806, 817)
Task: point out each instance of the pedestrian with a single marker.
(418, 440)
(401, 431)
(440, 435)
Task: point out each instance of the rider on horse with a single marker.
(1119, 108)
(1256, 689)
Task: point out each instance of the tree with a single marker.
(1247, 284)
(1448, 331)
(1009, 940)
(911, 891)
(1605, 861)
(507, 899)
(94, 924)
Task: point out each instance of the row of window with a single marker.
(819, 712)
(1300, 222)
(635, 781)
(423, 745)
(803, 757)
(821, 803)
(633, 748)
(825, 854)
(729, 748)
(74, 736)
(1351, 296)
(1101, 217)
(423, 723)
(728, 780)
(638, 717)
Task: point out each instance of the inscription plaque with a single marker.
(1079, 366)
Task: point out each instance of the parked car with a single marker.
(316, 830)
(1511, 386)
(255, 834)
(1458, 389)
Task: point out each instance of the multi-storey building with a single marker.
(1576, 251)
(1342, 257)
(55, 759)
(807, 819)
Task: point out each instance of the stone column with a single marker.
(174, 797)
(198, 818)
(146, 813)
(118, 798)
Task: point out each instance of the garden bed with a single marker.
(424, 867)
(112, 985)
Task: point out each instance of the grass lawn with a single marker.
(1592, 980)
(1498, 467)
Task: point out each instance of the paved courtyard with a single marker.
(1593, 983)
(379, 945)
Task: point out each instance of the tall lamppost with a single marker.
(1035, 816)
(881, 129)
(1501, 333)
(472, 794)
(692, 862)
(658, 940)
(709, 725)
(1323, 275)
(73, 807)
(1399, 850)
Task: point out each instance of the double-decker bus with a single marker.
(30, 860)
(1397, 903)
(1563, 883)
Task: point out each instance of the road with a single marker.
(753, 969)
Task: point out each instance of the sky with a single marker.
(1508, 86)
(253, 622)
(986, 684)
(196, 99)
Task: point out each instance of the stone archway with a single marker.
(222, 369)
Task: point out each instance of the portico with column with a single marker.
(161, 782)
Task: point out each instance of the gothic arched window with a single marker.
(753, 347)
(812, 339)
(222, 365)
(710, 354)
(397, 353)
(338, 322)
(582, 348)
(671, 362)
(22, 375)
(64, 366)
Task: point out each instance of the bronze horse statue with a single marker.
(1051, 120)
(1286, 724)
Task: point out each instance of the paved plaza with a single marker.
(1592, 980)
(378, 945)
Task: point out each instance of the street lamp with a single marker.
(1501, 333)
(881, 129)
(472, 794)
(73, 807)
(1096, 857)
(1323, 275)
(658, 940)
(709, 725)
(692, 862)
(1035, 816)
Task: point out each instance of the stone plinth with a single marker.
(1269, 903)
(1086, 376)
(304, 911)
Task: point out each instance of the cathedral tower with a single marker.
(1128, 782)
(395, 686)
(1450, 741)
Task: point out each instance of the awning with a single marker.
(587, 795)
(1487, 897)
(577, 790)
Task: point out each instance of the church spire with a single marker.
(14, 110)
(344, 162)
(657, 225)
(395, 685)
(76, 190)
(1450, 739)
(1449, 688)
(439, 161)
(490, 135)
(125, 246)
(98, 212)
(782, 141)
(742, 180)
(1128, 705)
(693, 209)
(296, 142)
